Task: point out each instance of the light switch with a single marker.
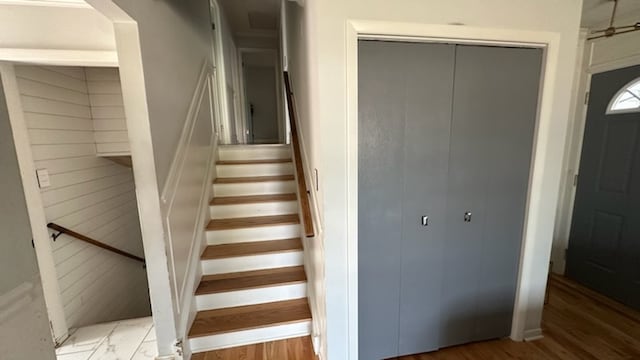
(43, 178)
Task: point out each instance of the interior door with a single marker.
(404, 115)
(494, 113)
(24, 324)
(604, 245)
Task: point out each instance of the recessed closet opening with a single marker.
(445, 146)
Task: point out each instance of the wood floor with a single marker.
(578, 324)
(290, 349)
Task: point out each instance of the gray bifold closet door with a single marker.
(443, 130)
(404, 123)
(494, 113)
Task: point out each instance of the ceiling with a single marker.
(253, 17)
(596, 13)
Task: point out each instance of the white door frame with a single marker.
(223, 123)
(281, 118)
(536, 218)
(575, 136)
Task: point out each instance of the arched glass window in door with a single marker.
(627, 99)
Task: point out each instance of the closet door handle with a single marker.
(467, 216)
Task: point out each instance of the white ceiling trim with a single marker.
(48, 3)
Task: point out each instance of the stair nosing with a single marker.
(298, 248)
(277, 323)
(291, 219)
(254, 162)
(257, 199)
(294, 269)
(254, 179)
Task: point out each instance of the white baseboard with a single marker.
(533, 334)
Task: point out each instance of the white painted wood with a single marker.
(254, 188)
(240, 338)
(253, 209)
(545, 168)
(247, 170)
(107, 111)
(251, 296)
(37, 216)
(186, 194)
(233, 236)
(254, 152)
(86, 195)
(255, 262)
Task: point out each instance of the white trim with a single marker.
(60, 57)
(35, 208)
(615, 97)
(48, 3)
(535, 216)
(147, 193)
(247, 337)
(220, 101)
(533, 334)
(184, 293)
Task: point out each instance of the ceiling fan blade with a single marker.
(633, 26)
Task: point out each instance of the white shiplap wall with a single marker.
(107, 110)
(88, 194)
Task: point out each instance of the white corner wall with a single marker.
(319, 81)
(596, 56)
(107, 111)
(88, 194)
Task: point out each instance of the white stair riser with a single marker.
(251, 296)
(254, 152)
(254, 209)
(254, 262)
(246, 337)
(246, 170)
(255, 188)
(276, 232)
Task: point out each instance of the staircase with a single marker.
(254, 286)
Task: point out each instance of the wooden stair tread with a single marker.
(251, 248)
(251, 222)
(253, 162)
(212, 284)
(250, 179)
(233, 200)
(219, 321)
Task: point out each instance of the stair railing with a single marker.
(63, 230)
(303, 198)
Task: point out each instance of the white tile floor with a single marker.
(133, 339)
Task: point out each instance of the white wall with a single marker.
(297, 36)
(107, 111)
(44, 27)
(322, 30)
(596, 56)
(175, 39)
(24, 325)
(88, 194)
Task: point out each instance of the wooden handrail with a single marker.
(64, 230)
(305, 207)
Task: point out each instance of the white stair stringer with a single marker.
(254, 188)
(253, 209)
(247, 170)
(262, 233)
(253, 152)
(278, 292)
(253, 336)
(252, 262)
